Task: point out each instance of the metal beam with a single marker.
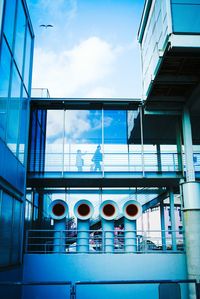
(177, 79)
(85, 103)
(152, 203)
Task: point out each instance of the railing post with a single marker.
(173, 224)
(162, 222)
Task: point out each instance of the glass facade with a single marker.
(16, 47)
(153, 40)
(15, 66)
(99, 141)
(186, 16)
(10, 229)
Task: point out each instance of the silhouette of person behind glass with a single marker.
(79, 160)
(97, 158)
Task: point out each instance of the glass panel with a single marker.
(20, 36)
(115, 140)
(5, 62)
(83, 140)
(9, 21)
(16, 233)
(23, 126)
(14, 109)
(185, 11)
(6, 229)
(1, 13)
(27, 59)
(54, 140)
(134, 139)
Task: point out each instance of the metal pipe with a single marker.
(108, 212)
(173, 222)
(83, 210)
(58, 211)
(162, 223)
(132, 210)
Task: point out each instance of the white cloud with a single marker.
(101, 92)
(68, 73)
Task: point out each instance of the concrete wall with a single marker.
(82, 267)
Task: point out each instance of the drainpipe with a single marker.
(83, 210)
(108, 212)
(58, 211)
(132, 210)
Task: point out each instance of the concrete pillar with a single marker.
(179, 147)
(191, 212)
(173, 223)
(187, 136)
(162, 222)
(191, 207)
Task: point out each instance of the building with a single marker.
(121, 157)
(16, 48)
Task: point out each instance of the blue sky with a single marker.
(91, 51)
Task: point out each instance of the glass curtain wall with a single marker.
(10, 229)
(87, 140)
(15, 66)
(16, 47)
(183, 10)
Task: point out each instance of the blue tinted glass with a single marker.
(16, 233)
(186, 18)
(23, 126)
(6, 229)
(1, 13)
(14, 110)
(5, 62)
(115, 126)
(20, 36)
(27, 59)
(9, 21)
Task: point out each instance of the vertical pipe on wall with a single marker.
(162, 223)
(108, 212)
(187, 135)
(83, 210)
(179, 147)
(132, 210)
(58, 210)
(173, 222)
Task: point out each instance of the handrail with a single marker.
(34, 283)
(148, 281)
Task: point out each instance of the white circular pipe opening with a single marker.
(83, 209)
(108, 210)
(132, 210)
(58, 209)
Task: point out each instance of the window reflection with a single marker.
(20, 36)
(186, 11)
(5, 63)
(14, 110)
(87, 140)
(27, 58)
(9, 21)
(23, 130)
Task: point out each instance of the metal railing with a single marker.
(111, 161)
(24, 290)
(74, 288)
(98, 241)
(177, 293)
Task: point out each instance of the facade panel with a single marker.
(15, 83)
